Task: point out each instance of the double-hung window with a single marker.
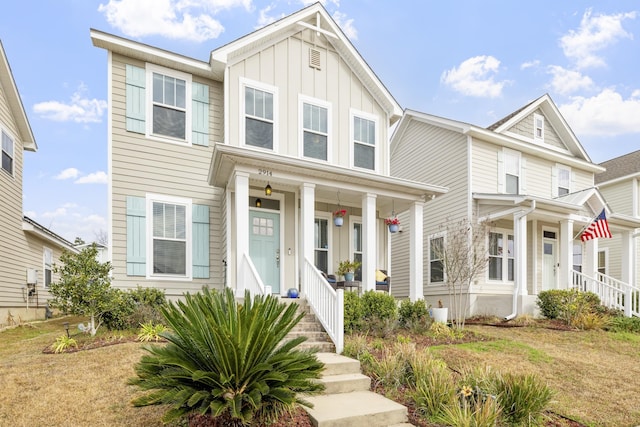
(436, 261)
(48, 266)
(315, 130)
(7, 153)
(501, 256)
(364, 141)
(170, 237)
(512, 171)
(564, 180)
(356, 245)
(321, 243)
(259, 115)
(538, 127)
(170, 91)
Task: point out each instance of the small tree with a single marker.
(464, 256)
(84, 287)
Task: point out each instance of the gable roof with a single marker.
(15, 103)
(316, 18)
(32, 227)
(554, 118)
(625, 166)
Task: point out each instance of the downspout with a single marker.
(517, 284)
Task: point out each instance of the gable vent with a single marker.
(314, 58)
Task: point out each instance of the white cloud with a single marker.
(71, 220)
(265, 19)
(69, 173)
(98, 177)
(565, 81)
(605, 114)
(596, 32)
(30, 214)
(176, 19)
(529, 64)
(59, 212)
(80, 109)
(475, 77)
(346, 24)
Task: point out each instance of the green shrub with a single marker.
(621, 323)
(414, 316)
(567, 304)
(390, 369)
(378, 305)
(523, 398)
(62, 343)
(434, 386)
(150, 331)
(482, 413)
(153, 297)
(228, 360)
(352, 312)
(122, 306)
(133, 307)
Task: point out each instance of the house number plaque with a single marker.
(265, 172)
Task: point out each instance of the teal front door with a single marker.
(264, 246)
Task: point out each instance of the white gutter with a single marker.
(518, 284)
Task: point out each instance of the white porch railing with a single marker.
(327, 304)
(613, 293)
(250, 278)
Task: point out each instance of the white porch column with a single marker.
(590, 258)
(241, 232)
(369, 249)
(308, 207)
(520, 236)
(566, 254)
(627, 258)
(416, 262)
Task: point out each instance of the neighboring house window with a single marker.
(602, 261)
(259, 116)
(512, 171)
(321, 244)
(564, 180)
(7, 153)
(364, 141)
(501, 256)
(436, 263)
(48, 266)
(538, 127)
(315, 131)
(170, 91)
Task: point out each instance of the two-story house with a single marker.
(28, 251)
(620, 185)
(529, 178)
(226, 172)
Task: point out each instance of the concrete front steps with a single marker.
(347, 401)
(309, 327)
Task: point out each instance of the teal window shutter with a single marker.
(200, 232)
(200, 114)
(136, 236)
(135, 99)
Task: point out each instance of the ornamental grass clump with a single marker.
(228, 360)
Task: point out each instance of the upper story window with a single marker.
(364, 140)
(315, 129)
(501, 256)
(436, 261)
(48, 266)
(512, 171)
(564, 180)
(170, 115)
(7, 153)
(538, 127)
(259, 115)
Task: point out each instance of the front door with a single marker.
(549, 260)
(264, 246)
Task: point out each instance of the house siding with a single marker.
(619, 196)
(525, 128)
(141, 165)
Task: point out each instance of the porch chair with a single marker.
(330, 278)
(383, 282)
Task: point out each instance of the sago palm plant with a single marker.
(228, 360)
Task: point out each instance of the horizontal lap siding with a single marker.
(619, 197)
(436, 156)
(141, 166)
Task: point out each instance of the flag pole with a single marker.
(585, 226)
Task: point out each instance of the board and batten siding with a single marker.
(428, 154)
(141, 166)
(285, 66)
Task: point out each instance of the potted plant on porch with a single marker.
(338, 217)
(347, 269)
(393, 223)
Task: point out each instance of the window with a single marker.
(602, 261)
(357, 248)
(170, 235)
(364, 142)
(321, 245)
(259, 118)
(315, 130)
(169, 93)
(538, 127)
(48, 266)
(512, 171)
(564, 180)
(501, 257)
(577, 257)
(7, 153)
(436, 266)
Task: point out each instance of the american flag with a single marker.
(599, 227)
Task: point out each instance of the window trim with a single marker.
(44, 266)
(150, 69)
(506, 152)
(505, 256)
(187, 203)
(604, 251)
(303, 99)
(4, 131)
(443, 236)
(557, 186)
(327, 217)
(537, 117)
(244, 83)
(353, 113)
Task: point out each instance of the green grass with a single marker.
(530, 353)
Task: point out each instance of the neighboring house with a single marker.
(620, 185)
(28, 250)
(531, 180)
(225, 172)
(102, 254)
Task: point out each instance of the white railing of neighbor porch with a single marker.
(251, 279)
(613, 293)
(327, 304)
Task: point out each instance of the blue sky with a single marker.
(473, 61)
